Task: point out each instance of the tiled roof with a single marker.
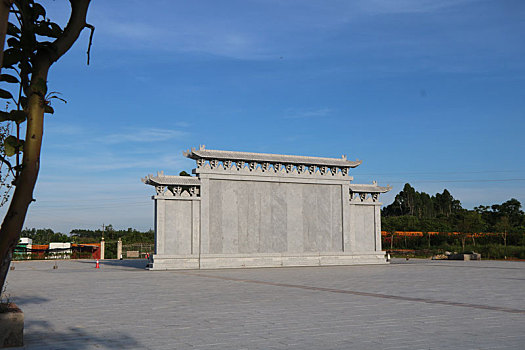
(203, 153)
(369, 188)
(167, 180)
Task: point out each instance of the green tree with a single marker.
(35, 43)
(446, 204)
(512, 210)
(503, 226)
(470, 222)
(422, 205)
(404, 203)
(44, 235)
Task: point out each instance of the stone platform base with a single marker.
(220, 261)
(473, 256)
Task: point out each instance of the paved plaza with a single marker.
(416, 304)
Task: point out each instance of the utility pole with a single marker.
(102, 244)
(119, 249)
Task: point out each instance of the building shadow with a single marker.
(40, 334)
(130, 263)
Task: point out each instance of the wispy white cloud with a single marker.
(61, 129)
(182, 124)
(220, 40)
(112, 161)
(263, 30)
(143, 135)
(308, 113)
(408, 6)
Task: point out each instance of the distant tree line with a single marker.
(418, 211)
(129, 236)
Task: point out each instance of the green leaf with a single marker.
(12, 30)
(39, 10)
(25, 69)
(9, 149)
(14, 116)
(42, 29)
(23, 101)
(11, 56)
(13, 42)
(4, 116)
(49, 29)
(28, 42)
(8, 78)
(44, 45)
(5, 94)
(11, 144)
(49, 109)
(55, 30)
(18, 116)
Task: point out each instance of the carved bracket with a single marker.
(276, 167)
(178, 191)
(364, 196)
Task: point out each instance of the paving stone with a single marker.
(419, 304)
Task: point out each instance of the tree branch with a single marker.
(77, 22)
(92, 28)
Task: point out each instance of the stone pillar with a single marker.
(102, 248)
(377, 226)
(119, 249)
(205, 215)
(160, 234)
(195, 227)
(350, 244)
(346, 210)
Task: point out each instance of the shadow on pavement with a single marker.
(41, 335)
(131, 263)
(28, 300)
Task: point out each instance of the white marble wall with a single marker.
(177, 226)
(273, 217)
(363, 226)
(256, 221)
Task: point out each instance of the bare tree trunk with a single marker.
(5, 5)
(26, 180)
(25, 184)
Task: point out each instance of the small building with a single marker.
(246, 209)
(59, 250)
(25, 241)
(23, 248)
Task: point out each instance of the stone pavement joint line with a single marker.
(365, 294)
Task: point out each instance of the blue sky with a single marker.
(426, 92)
